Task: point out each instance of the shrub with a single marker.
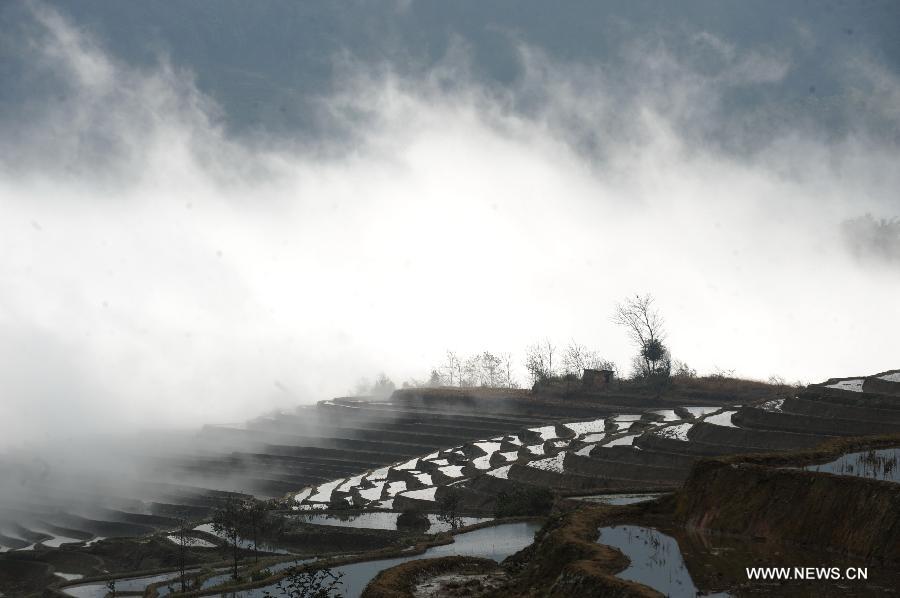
(321, 583)
(524, 501)
(413, 519)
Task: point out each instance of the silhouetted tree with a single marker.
(449, 507)
(645, 326)
(508, 379)
(435, 379)
(452, 368)
(383, 386)
(578, 358)
(321, 583)
(185, 539)
(539, 360)
(256, 518)
(227, 521)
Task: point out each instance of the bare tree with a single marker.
(470, 372)
(452, 368)
(227, 522)
(185, 540)
(539, 360)
(321, 583)
(645, 326)
(449, 507)
(490, 370)
(435, 379)
(508, 380)
(578, 358)
(256, 518)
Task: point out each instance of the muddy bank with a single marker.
(766, 497)
(566, 559)
(401, 581)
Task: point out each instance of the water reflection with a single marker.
(497, 543)
(656, 560)
(619, 499)
(381, 520)
(132, 584)
(878, 465)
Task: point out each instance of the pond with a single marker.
(381, 520)
(497, 543)
(139, 584)
(242, 542)
(57, 541)
(655, 559)
(132, 584)
(619, 499)
(226, 574)
(881, 464)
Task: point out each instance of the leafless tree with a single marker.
(484, 369)
(435, 379)
(470, 373)
(539, 360)
(645, 326)
(227, 521)
(508, 380)
(185, 539)
(299, 583)
(578, 358)
(490, 370)
(452, 368)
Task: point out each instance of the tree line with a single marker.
(545, 361)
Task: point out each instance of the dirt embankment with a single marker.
(400, 581)
(768, 497)
(577, 400)
(567, 561)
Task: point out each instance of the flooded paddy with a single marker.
(57, 541)
(242, 542)
(226, 576)
(99, 589)
(619, 499)
(381, 520)
(678, 562)
(655, 559)
(497, 543)
(874, 464)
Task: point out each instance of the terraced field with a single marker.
(626, 449)
(410, 450)
(329, 445)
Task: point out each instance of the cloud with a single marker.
(158, 272)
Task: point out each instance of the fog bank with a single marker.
(157, 271)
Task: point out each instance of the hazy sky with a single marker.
(199, 228)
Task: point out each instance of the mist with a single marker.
(160, 271)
